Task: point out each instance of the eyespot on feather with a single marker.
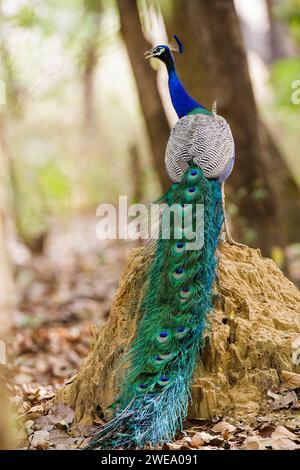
(178, 274)
(191, 193)
(144, 387)
(179, 248)
(163, 380)
(185, 292)
(193, 175)
(162, 336)
(181, 331)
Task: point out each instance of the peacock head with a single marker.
(163, 52)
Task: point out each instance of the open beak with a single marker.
(149, 54)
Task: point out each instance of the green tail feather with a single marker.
(156, 391)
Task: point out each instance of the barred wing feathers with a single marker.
(205, 140)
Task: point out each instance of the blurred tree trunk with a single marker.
(88, 85)
(93, 10)
(279, 41)
(6, 292)
(215, 67)
(136, 175)
(155, 119)
(6, 276)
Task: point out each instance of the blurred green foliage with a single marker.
(41, 191)
(289, 11)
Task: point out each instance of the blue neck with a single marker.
(182, 102)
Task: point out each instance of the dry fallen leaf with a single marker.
(217, 441)
(290, 379)
(282, 400)
(284, 443)
(57, 436)
(210, 448)
(266, 431)
(28, 427)
(223, 426)
(251, 444)
(205, 436)
(281, 431)
(171, 446)
(85, 430)
(197, 440)
(98, 420)
(44, 422)
(40, 440)
(61, 414)
(257, 443)
(35, 411)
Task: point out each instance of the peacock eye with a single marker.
(178, 273)
(181, 331)
(142, 387)
(179, 247)
(162, 336)
(185, 292)
(163, 380)
(191, 193)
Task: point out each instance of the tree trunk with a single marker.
(93, 12)
(215, 67)
(136, 175)
(88, 86)
(155, 119)
(6, 294)
(6, 271)
(254, 336)
(279, 41)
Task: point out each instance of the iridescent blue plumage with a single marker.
(183, 103)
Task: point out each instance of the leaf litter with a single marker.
(63, 296)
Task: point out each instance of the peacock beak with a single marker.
(149, 54)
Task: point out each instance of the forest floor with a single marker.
(63, 296)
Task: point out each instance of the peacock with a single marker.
(155, 392)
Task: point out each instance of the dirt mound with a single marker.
(254, 335)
